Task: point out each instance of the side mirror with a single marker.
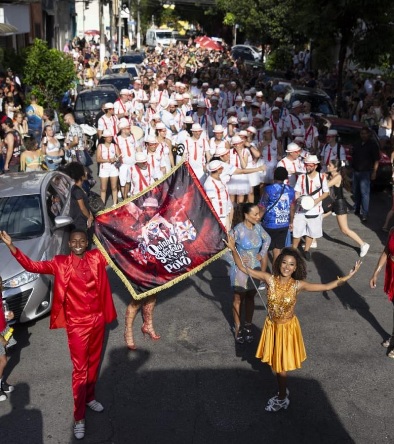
(63, 221)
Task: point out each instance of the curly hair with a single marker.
(300, 271)
(75, 170)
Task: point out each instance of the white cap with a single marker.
(188, 119)
(156, 117)
(218, 129)
(107, 133)
(232, 120)
(215, 165)
(150, 202)
(238, 98)
(141, 157)
(201, 104)
(221, 151)
(306, 117)
(151, 139)
(109, 105)
(124, 91)
(296, 104)
(160, 126)
(248, 99)
(312, 158)
(258, 116)
(251, 129)
(259, 94)
(196, 127)
(292, 147)
(332, 132)
(235, 140)
(267, 128)
(178, 97)
(231, 110)
(124, 123)
(243, 133)
(279, 100)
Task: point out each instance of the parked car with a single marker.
(34, 210)
(246, 52)
(88, 102)
(119, 81)
(348, 136)
(320, 101)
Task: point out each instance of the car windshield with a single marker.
(118, 82)
(93, 101)
(132, 58)
(130, 69)
(21, 216)
(164, 35)
(319, 104)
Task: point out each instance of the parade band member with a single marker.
(281, 344)
(82, 303)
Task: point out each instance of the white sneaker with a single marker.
(314, 244)
(119, 195)
(95, 406)
(364, 249)
(79, 429)
(262, 286)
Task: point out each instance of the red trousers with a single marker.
(85, 340)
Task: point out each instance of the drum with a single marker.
(307, 202)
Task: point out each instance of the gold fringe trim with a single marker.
(139, 296)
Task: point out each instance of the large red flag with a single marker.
(162, 235)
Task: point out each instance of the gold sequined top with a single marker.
(281, 299)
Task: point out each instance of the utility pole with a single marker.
(102, 35)
(138, 25)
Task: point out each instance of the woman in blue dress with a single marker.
(252, 243)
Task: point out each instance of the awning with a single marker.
(6, 29)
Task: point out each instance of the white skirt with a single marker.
(255, 178)
(239, 185)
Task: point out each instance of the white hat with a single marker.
(186, 96)
(150, 202)
(243, 133)
(124, 123)
(107, 133)
(299, 139)
(124, 91)
(233, 120)
(151, 139)
(141, 157)
(205, 84)
(231, 110)
(221, 151)
(173, 103)
(164, 102)
(292, 147)
(251, 129)
(156, 117)
(209, 92)
(218, 129)
(296, 104)
(244, 119)
(137, 81)
(332, 132)
(279, 100)
(258, 116)
(214, 99)
(238, 98)
(123, 65)
(274, 108)
(109, 105)
(248, 99)
(233, 83)
(259, 94)
(188, 119)
(311, 158)
(178, 97)
(306, 117)
(201, 104)
(196, 127)
(216, 90)
(194, 101)
(215, 165)
(160, 126)
(256, 104)
(161, 82)
(235, 140)
(194, 80)
(267, 128)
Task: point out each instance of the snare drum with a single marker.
(307, 202)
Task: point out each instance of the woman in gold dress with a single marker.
(281, 344)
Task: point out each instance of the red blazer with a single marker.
(61, 268)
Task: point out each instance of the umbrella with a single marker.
(207, 43)
(92, 32)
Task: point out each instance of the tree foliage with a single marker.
(50, 73)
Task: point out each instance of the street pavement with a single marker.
(193, 386)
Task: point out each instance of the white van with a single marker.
(163, 36)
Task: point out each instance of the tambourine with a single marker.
(179, 149)
(307, 202)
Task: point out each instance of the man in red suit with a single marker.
(82, 303)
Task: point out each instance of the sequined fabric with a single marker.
(281, 299)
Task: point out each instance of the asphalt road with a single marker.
(195, 386)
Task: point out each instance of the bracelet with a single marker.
(340, 281)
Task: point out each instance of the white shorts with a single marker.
(108, 170)
(124, 174)
(311, 227)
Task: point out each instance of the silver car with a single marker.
(34, 210)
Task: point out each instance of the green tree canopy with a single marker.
(49, 72)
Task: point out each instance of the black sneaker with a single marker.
(6, 388)
(3, 396)
(307, 256)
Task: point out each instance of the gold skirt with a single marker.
(281, 345)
